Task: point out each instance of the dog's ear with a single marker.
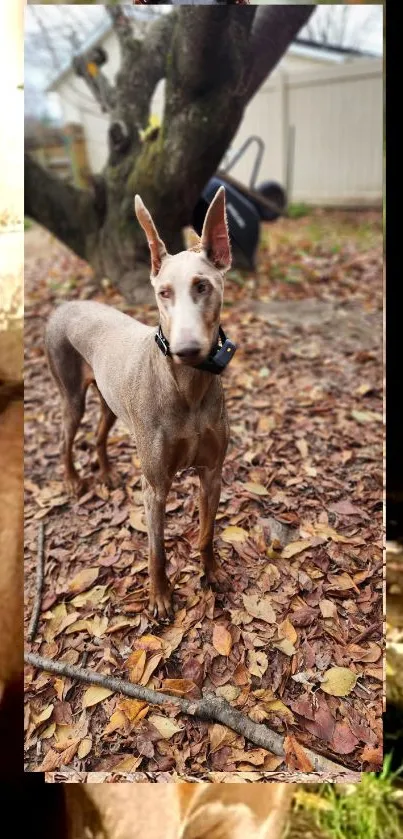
(215, 237)
(217, 821)
(158, 250)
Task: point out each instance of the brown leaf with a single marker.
(259, 607)
(222, 640)
(295, 755)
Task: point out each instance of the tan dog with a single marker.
(162, 385)
(234, 811)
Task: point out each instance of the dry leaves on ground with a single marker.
(296, 640)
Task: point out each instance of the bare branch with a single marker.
(210, 708)
(274, 28)
(67, 212)
(208, 43)
(122, 26)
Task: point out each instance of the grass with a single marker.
(298, 211)
(27, 223)
(371, 809)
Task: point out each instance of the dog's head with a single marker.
(189, 286)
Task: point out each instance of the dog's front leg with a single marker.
(160, 589)
(210, 489)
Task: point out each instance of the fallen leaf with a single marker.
(222, 640)
(257, 662)
(94, 695)
(84, 748)
(294, 548)
(339, 681)
(83, 580)
(137, 522)
(256, 489)
(285, 646)
(166, 727)
(136, 664)
(234, 534)
(259, 607)
(296, 757)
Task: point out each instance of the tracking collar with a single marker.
(220, 355)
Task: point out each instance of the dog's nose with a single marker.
(190, 350)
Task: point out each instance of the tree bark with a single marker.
(213, 60)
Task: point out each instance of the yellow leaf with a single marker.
(43, 715)
(133, 709)
(327, 608)
(84, 747)
(136, 521)
(257, 489)
(98, 626)
(222, 640)
(278, 708)
(94, 596)
(117, 720)
(166, 727)
(78, 626)
(257, 662)
(366, 416)
(339, 681)
(83, 580)
(128, 764)
(286, 630)
(228, 692)
(234, 534)
(285, 646)
(95, 694)
(302, 447)
(259, 607)
(295, 548)
(48, 732)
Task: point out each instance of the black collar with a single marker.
(220, 354)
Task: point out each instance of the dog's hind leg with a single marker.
(106, 422)
(72, 376)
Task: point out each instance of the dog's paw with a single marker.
(218, 821)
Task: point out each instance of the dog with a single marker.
(164, 385)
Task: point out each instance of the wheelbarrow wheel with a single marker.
(274, 193)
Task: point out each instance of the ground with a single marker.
(299, 528)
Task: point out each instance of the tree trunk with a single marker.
(213, 60)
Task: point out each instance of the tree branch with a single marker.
(274, 28)
(208, 45)
(66, 211)
(210, 708)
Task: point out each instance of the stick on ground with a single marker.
(36, 611)
(209, 708)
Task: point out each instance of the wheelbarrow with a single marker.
(247, 206)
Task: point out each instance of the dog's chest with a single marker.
(196, 443)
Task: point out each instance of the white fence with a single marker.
(334, 114)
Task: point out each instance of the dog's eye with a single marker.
(201, 287)
(165, 293)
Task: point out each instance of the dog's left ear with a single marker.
(158, 250)
(215, 236)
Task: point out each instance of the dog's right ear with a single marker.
(158, 250)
